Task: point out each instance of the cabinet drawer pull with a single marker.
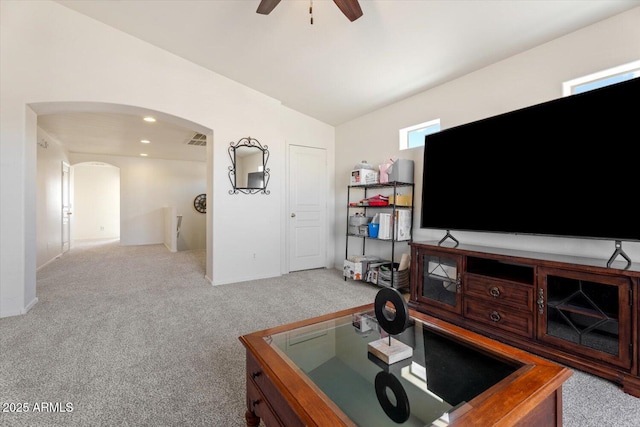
(494, 292)
(255, 402)
(254, 375)
(495, 316)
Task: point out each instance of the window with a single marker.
(413, 136)
(602, 78)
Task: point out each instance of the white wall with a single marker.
(96, 201)
(98, 65)
(170, 228)
(49, 198)
(148, 185)
(529, 78)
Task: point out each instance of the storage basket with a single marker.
(400, 278)
(359, 225)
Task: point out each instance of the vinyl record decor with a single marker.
(200, 203)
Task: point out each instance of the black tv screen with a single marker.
(567, 167)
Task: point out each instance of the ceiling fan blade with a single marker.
(266, 6)
(350, 8)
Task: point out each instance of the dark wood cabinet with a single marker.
(439, 285)
(588, 313)
(573, 310)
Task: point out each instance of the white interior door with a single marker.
(308, 205)
(66, 207)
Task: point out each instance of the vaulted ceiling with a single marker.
(336, 70)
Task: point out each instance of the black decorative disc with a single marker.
(399, 410)
(392, 311)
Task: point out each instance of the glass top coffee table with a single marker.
(319, 372)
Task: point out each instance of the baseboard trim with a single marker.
(48, 262)
(18, 312)
(30, 305)
(246, 279)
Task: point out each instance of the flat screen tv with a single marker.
(567, 167)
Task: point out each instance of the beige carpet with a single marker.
(135, 336)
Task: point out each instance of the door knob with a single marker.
(293, 215)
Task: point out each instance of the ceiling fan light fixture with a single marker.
(350, 8)
(266, 6)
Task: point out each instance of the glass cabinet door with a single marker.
(587, 313)
(439, 281)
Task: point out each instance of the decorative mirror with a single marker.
(248, 172)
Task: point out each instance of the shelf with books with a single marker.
(385, 214)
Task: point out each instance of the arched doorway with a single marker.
(168, 175)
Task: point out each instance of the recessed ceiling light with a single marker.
(145, 141)
(149, 119)
(144, 154)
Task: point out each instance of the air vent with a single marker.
(198, 139)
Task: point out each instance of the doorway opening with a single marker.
(96, 201)
(125, 171)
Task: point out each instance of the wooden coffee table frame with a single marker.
(282, 395)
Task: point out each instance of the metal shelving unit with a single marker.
(366, 191)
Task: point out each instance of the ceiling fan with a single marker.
(350, 8)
